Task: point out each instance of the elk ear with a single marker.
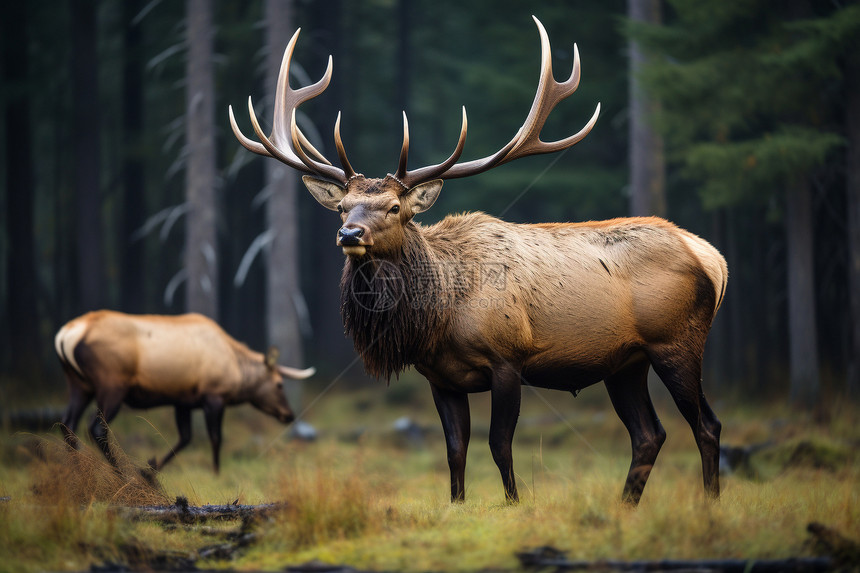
(272, 358)
(327, 193)
(421, 197)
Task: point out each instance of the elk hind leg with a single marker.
(79, 399)
(506, 393)
(108, 404)
(628, 391)
(680, 369)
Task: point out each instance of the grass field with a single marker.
(365, 496)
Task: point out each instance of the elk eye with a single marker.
(395, 209)
(339, 208)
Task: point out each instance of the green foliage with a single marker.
(754, 169)
(747, 92)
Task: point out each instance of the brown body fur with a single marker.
(186, 361)
(478, 304)
(544, 297)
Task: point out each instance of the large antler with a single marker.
(526, 141)
(287, 143)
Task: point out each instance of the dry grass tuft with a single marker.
(323, 503)
(62, 520)
(64, 476)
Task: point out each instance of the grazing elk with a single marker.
(477, 304)
(186, 361)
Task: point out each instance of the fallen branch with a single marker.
(228, 549)
(551, 558)
(805, 564)
(182, 512)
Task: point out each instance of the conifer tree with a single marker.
(750, 98)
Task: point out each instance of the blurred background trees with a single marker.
(757, 111)
(754, 110)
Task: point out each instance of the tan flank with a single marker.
(185, 361)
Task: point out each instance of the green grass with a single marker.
(361, 496)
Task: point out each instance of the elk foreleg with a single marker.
(506, 394)
(183, 424)
(453, 408)
(213, 411)
(628, 391)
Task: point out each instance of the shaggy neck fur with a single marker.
(392, 307)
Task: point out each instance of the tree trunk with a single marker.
(201, 248)
(283, 286)
(21, 318)
(132, 292)
(330, 342)
(802, 331)
(647, 163)
(852, 189)
(403, 63)
(87, 131)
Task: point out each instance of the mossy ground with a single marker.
(364, 496)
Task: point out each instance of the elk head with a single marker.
(267, 392)
(376, 212)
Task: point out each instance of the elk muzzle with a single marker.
(354, 239)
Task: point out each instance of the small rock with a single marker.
(303, 431)
(407, 429)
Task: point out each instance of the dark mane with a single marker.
(391, 308)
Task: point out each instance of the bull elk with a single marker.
(478, 304)
(186, 361)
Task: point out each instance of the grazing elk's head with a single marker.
(268, 394)
(375, 212)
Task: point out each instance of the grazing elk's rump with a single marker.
(478, 304)
(186, 361)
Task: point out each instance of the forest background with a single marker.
(124, 188)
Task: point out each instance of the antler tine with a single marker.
(310, 147)
(248, 144)
(329, 171)
(267, 148)
(404, 151)
(548, 95)
(341, 152)
(410, 178)
(527, 139)
(287, 143)
(287, 99)
(283, 155)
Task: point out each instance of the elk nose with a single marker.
(350, 235)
